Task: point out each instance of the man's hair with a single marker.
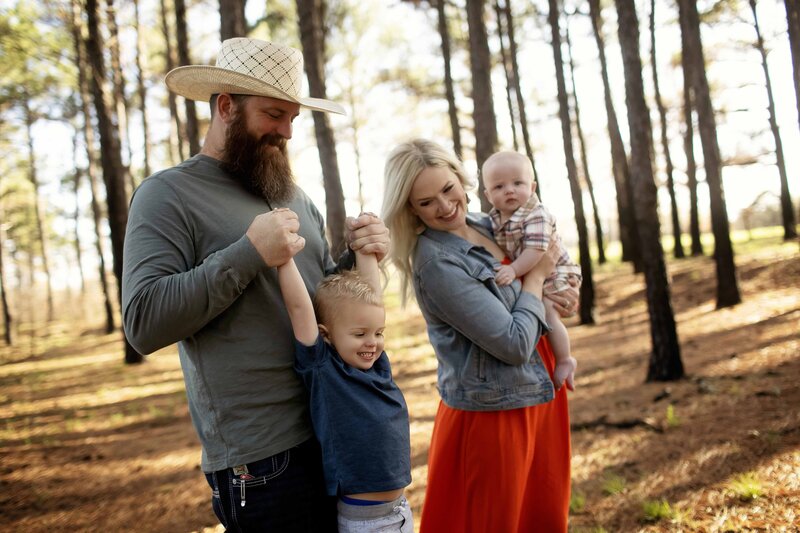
(238, 99)
(346, 285)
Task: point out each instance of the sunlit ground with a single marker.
(88, 443)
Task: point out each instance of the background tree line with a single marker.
(94, 66)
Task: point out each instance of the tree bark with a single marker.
(727, 286)
(482, 99)
(91, 169)
(310, 16)
(232, 20)
(192, 131)
(452, 110)
(587, 288)
(142, 92)
(8, 320)
(113, 171)
(507, 71)
(677, 250)
(793, 23)
(171, 100)
(598, 228)
(787, 210)
(76, 185)
(37, 210)
(665, 359)
(120, 100)
(523, 117)
(619, 160)
(688, 144)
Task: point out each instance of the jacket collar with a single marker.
(478, 221)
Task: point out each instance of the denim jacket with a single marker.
(484, 335)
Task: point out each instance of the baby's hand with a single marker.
(505, 275)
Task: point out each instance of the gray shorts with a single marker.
(389, 516)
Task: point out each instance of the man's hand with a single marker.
(274, 236)
(505, 275)
(368, 235)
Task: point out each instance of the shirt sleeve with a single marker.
(165, 296)
(466, 304)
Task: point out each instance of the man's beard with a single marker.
(260, 164)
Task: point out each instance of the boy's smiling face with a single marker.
(357, 333)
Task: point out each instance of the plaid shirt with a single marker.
(530, 226)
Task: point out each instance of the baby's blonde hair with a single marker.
(336, 288)
(507, 157)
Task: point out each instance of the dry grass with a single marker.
(89, 444)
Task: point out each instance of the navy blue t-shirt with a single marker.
(360, 418)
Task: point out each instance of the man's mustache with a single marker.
(273, 139)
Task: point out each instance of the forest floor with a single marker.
(89, 444)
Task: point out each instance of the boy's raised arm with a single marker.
(298, 303)
(367, 265)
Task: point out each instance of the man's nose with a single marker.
(285, 129)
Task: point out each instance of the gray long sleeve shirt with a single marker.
(191, 276)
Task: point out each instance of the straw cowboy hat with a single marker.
(249, 66)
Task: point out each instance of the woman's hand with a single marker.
(567, 302)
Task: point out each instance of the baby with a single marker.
(523, 228)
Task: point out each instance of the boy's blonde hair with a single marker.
(336, 288)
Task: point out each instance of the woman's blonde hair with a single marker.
(403, 166)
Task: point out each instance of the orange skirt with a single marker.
(500, 471)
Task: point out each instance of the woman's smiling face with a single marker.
(438, 199)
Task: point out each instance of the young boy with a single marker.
(523, 227)
(359, 414)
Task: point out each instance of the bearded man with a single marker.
(201, 247)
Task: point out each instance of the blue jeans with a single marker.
(284, 493)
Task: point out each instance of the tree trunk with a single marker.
(523, 118)
(310, 16)
(232, 20)
(677, 250)
(91, 169)
(787, 211)
(173, 106)
(37, 211)
(142, 92)
(8, 320)
(793, 23)
(192, 131)
(113, 171)
(598, 228)
(509, 75)
(76, 185)
(482, 99)
(727, 287)
(619, 160)
(587, 288)
(118, 78)
(688, 144)
(444, 33)
(665, 359)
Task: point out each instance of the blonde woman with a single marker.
(499, 457)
